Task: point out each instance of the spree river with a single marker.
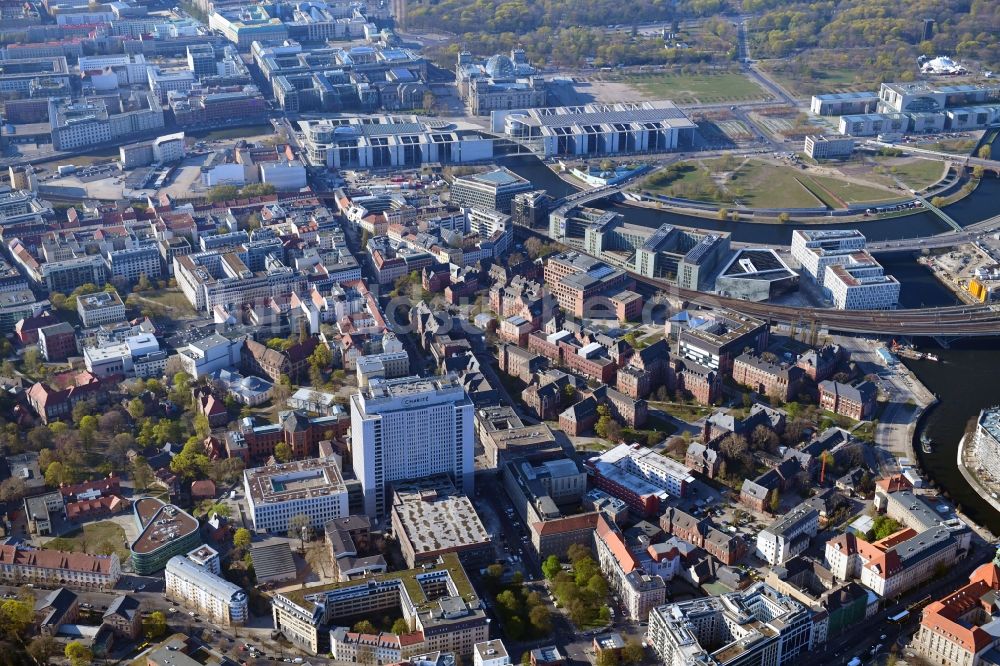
(965, 380)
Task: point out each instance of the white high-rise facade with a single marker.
(411, 428)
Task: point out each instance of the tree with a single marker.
(223, 193)
(551, 566)
(192, 461)
(540, 619)
(784, 218)
(241, 538)
(78, 654)
(985, 152)
(202, 428)
(775, 501)
(31, 361)
(734, 447)
(429, 101)
(282, 389)
(364, 627)
(764, 439)
(257, 190)
(12, 489)
(136, 408)
(55, 473)
(400, 627)
(607, 658)
(298, 528)
(722, 213)
(43, 648)
(283, 452)
(155, 626)
(633, 653)
(142, 474)
(16, 615)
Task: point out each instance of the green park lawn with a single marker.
(698, 88)
(94, 538)
(850, 192)
(918, 173)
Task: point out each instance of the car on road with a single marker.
(191, 613)
(171, 610)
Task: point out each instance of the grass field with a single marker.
(166, 302)
(917, 173)
(95, 539)
(852, 192)
(764, 185)
(824, 79)
(694, 88)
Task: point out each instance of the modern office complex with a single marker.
(312, 488)
(390, 141)
(839, 263)
(437, 601)
(598, 129)
(166, 531)
(825, 148)
(195, 586)
(492, 190)
(842, 104)
(715, 339)
(411, 428)
(756, 625)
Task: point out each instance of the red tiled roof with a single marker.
(616, 545)
(55, 559)
(944, 617)
(568, 524)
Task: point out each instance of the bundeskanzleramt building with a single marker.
(313, 488)
(411, 428)
(195, 587)
(437, 601)
(752, 626)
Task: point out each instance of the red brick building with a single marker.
(702, 383)
(775, 380)
(854, 402)
(302, 433)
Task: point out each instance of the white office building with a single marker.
(312, 488)
(789, 535)
(411, 428)
(838, 262)
(104, 307)
(860, 283)
(490, 653)
(197, 588)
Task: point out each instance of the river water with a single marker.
(966, 379)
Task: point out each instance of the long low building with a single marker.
(21, 566)
(390, 141)
(641, 477)
(598, 129)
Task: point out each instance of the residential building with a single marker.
(313, 488)
(411, 428)
(789, 535)
(437, 600)
(21, 565)
(855, 402)
(429, 518)
(579, 282)
(193, 586)
(492, 190)
(105, 307)
(639, 591)
(754, 625)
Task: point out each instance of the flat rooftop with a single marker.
(435, 517)
(161, 523)
(296, 480)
